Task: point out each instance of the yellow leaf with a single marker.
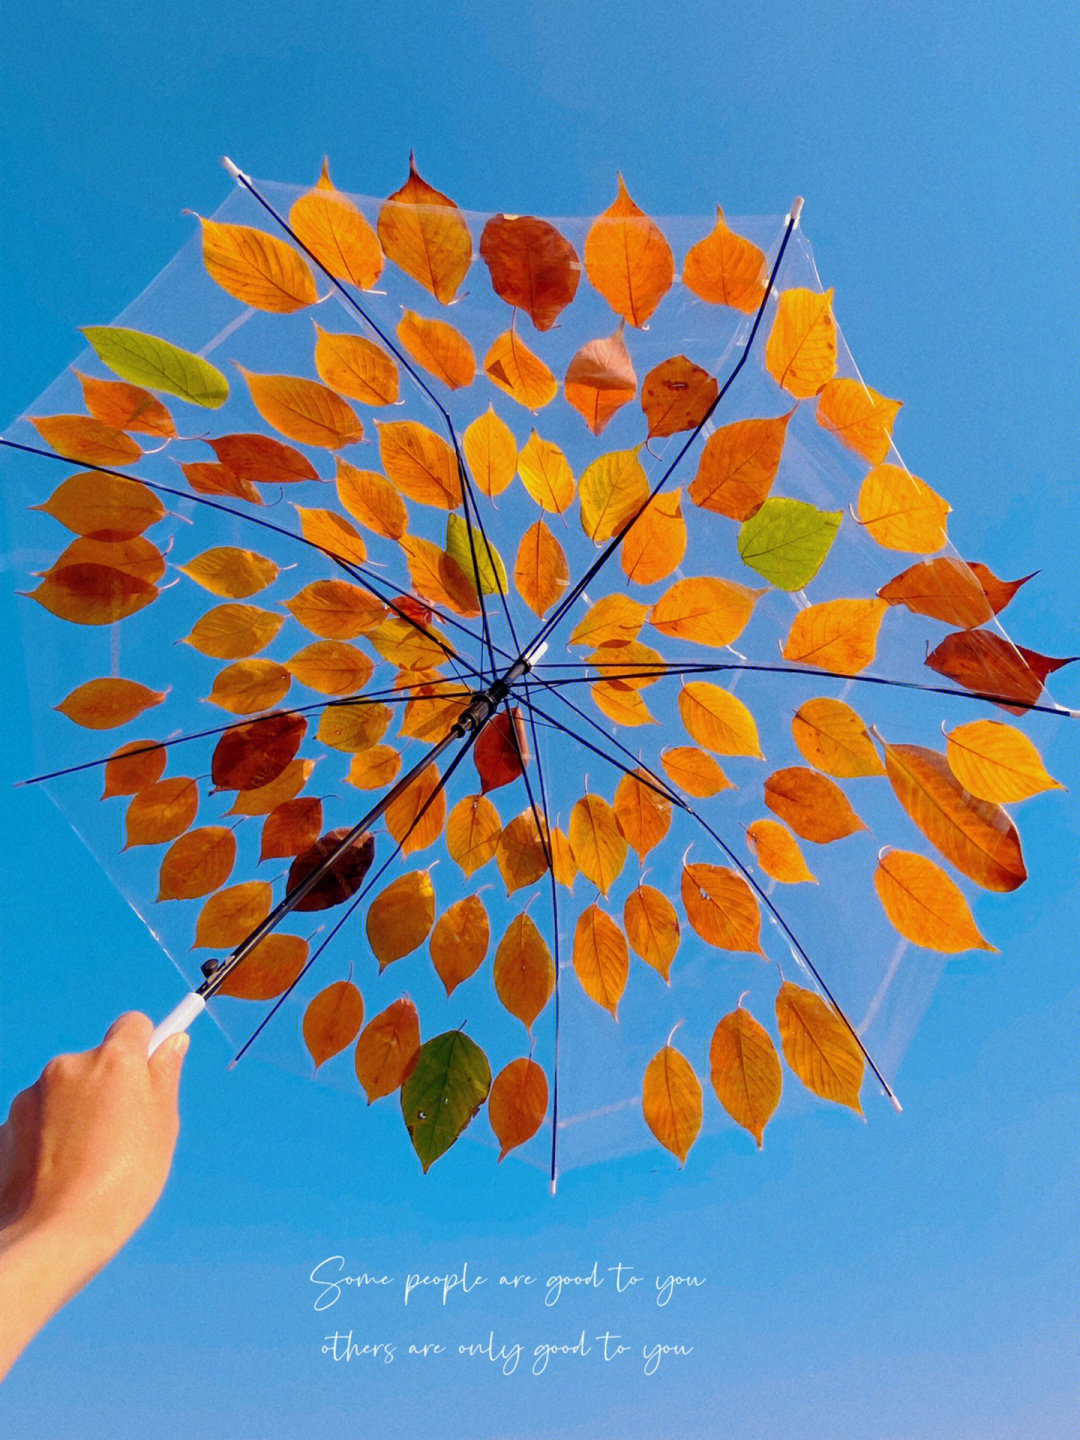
(721, 908)
(601, 959)
(416, 818)
(228, 571)
(738, 466)
(459, 942)
(304, 410)
(925, 905)
(432, 711)
(694, 771)
(524, 971)
(374, 768)
(833, 738)
(425, 233)
(611, 620)
(819, 1046)
(546, 474)
(671, 1101)
(726, 269)
(520, 853)
(370, 498)
(257, 269)
(813, 806)
(472, 832)
(250, 685)
(400, 917)
(718, 720)
(801, 351)
(333, 229)
(902, 512)
(513, 367)
(620, 703)
(331, 667)
(335, 609)
(652, 927)
(997, 762)
(643, 815)
(229, 917)
(438, 348)
(233, 632)
(420, 463)
(628, 259)
(563, 863)
(633, 665)
(598, 842)
(399, 641)
(859, 417)
(517, 1103)
(332, 1020)
(197, 863)
(777, 853)
(704, 609)
(745, 1071)
(356, 367)
(352, 727)
(612, 491)
(541, 573)
(491, 452)
(838, 635)
(105, 704)
(656, 544)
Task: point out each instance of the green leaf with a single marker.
(147, 360)
(787, 541)
(488, 563)
(447, 1086)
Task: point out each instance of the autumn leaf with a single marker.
(104, 507)
(348, 866)
(745, 1071)
(718, 720)
(197, 863)
(598, 841)
(726, 269)
(677, 395)
(612, 490)
(524, 971)
(425, 233)
(991, 665)
(925, 905)
(291, 828)
(336, 609)
(400, 917)
(459, 942)
(671, 1101)
(108, 703)
(439, 348)
(800, 353)
(601, 958)
(517, 1103)
(652, 928)
(833, 738)
(420, 463)
(704, 609)
(126, 407)
(513, 367)
(814, 807)
(271, 968)
(82, 438)
(161, 811)
(501, 750)
(694, 771)
(600, 380)
(133, 767)
(228, 571)
(641, 812)
(304, 410)
(901, 511)
(331, 667)
(532, 266)
(252, 755)
(415, 818)
(332, 1020)
(491, 453)
(356, 367)
(997, 762)
(256, 268)
(520, 852)
(819, 1046)
(387, 1049)
(370, 498)
(836, 635)
(859, 417)
(329, 225)
(721, 908)
(230, 916)
(628, 259)
(738, 466)
(945, 589)
(546, 474)
(472, 832)
(262, 459)
(778, 853)
(233, 632)
(656, 543)
(541, 573)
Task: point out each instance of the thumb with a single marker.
(167, 1062)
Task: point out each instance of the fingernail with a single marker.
(180, 1044)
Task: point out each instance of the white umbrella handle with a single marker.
(177, 1020)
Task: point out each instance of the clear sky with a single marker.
(910, 1279)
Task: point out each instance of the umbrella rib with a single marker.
(464, 479)
(620, 535)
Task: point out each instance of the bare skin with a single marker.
(84, 1156)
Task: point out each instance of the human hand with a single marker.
(84, 1156)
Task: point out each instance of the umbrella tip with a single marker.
(234, 170)
(795, 211)
(895, 1103)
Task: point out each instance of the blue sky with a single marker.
(911, 1278)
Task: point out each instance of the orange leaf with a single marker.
(628, 259)
(425, 233)
(745, 1071)
(524, 970)
(438, 348)
(985, 662)
(354, 726)
(520, 853)
(777, 853)
(671, 1101)
(612, 491)
(501, 750)
(105, 704)
(126, 407)
(642, 814)
(432, 711)
(656, 544)
(621, 704)
(290, 828)
(704, 609)
(694, 771)
(838, 635)
(356, 367)
(208, 479)
(438, 577)
(513, 367)
(268, 797)
(801, 351)
(387, 1049)
(335, 609)
(227, 571)
(718, 720)
(652, 927)
(533, 267)
(833, 738)
(813, 806)
(262, 459)
(600, 379)
(738, 466)
(546, 474)
(135, 557)
(598, 841)
(491, 452)
(332, 1020)
(997, 762)
(257, 269)
(403, 644)
(472, 832)
(90, 594)
(974, 835)
(924, 905)
(161, 811)
(332, 533)
(103, 507)
(726, 269)
(998, 592)
(349, 865)
(563, 862)
(374, 768)
(304, 410)
(86, 440)
(721, 907)
(229, 917)
(134, 767)
(197, 863)
(517, 1103)
(400, 917)
(541, 573)
(901, 511)
(634, 666)
(420, 463)
(415, 819)
(333, 229)
(859, 417)
(331, 667)
(459, 941)
(945, 589)
(601, 959)
(614, 619)
(819, 1046)
(370, 498)
(677, 395)
(233, 632)
(275, 964)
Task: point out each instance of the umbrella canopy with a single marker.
(539, 611)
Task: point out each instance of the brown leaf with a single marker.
(252, 755)
(501, 750)
(945, 589)
(677, 395)
(987, 663)
(344, 877)
(291, 828)
(209, 479)
(533, 267)
(90, 594)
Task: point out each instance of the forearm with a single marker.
(40, 1270)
